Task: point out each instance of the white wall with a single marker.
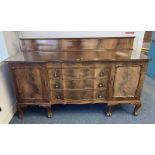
(74, 34)
(12, 42)
(7, 94)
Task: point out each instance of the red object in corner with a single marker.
(129, 32)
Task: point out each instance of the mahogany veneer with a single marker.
(77, 71)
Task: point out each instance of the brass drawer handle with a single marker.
(57, 85)
(56, 74)
(58, 97)
(80, 59)
(101, 74)
(100, 96)
(100, 85)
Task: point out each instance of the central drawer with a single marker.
(85, 70)
(78, 95)
(77, 70)
(70, 73)
(78, 84)
(64, 95)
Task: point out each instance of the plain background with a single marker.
(80, 15)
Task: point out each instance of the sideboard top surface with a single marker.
(76, 49)
(79, 56)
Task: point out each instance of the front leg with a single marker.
(136, 109)
(20, 112)
(109, 111)
(49, 113)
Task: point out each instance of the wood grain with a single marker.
(78, 71)
(30, 83)
(126, 81)
(72, 44)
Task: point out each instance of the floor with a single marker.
(94, 114)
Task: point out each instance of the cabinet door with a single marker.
(30, 82)
(126, 80)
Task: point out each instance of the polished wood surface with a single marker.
(29, 80)
(71, 44)
(76, 56)
(77, 71)
(126, 80)
(125, 77)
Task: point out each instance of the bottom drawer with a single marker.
(78, 94)
(60, 96)
(57, 96)
(100, 95)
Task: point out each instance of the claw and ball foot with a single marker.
(136, 109)
(109, 111)
(49, 113)
(20, 113)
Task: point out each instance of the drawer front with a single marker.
(101, 72)
(78, 94)
(100, 83)
(77, 65)
(78, 73)
(79, 84)
(56, 84)
(63, 96)
(100, 95)
(57, 96)
(53, 65)
(55, 73)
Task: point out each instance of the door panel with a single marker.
(126, 80)
(31, 83)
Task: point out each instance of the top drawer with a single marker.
(78, 70)
(77, 65)
(53, 65)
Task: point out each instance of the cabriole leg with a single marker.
(20, 112)
(49, 113)
(109, 111)
(137, 109)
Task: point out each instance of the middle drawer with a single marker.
(78, 84)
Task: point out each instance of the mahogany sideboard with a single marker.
(77, 71)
